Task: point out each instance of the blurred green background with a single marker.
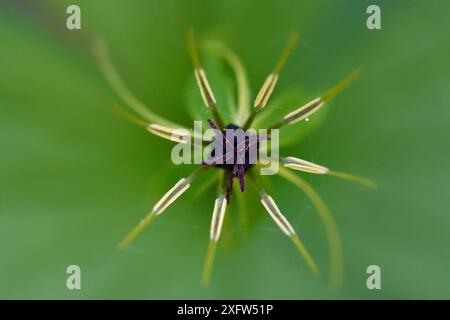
(74, 177)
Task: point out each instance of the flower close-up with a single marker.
(233, 153)
(224, 150)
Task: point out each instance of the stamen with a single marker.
(177, 135)
(302, 165)
(314, 105)
(176, 191)
(276, 215)
(269, 84)
(286, 227)
(325, 215)
(205, 89)
(304, 111)
(220, 206)
(265, 91)
(162, 204)
(180, 135)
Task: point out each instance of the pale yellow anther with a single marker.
(174, 134)
(303, 165)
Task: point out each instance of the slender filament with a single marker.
(177, 190)
(331, 230)
(357, 179)
(209, 261)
